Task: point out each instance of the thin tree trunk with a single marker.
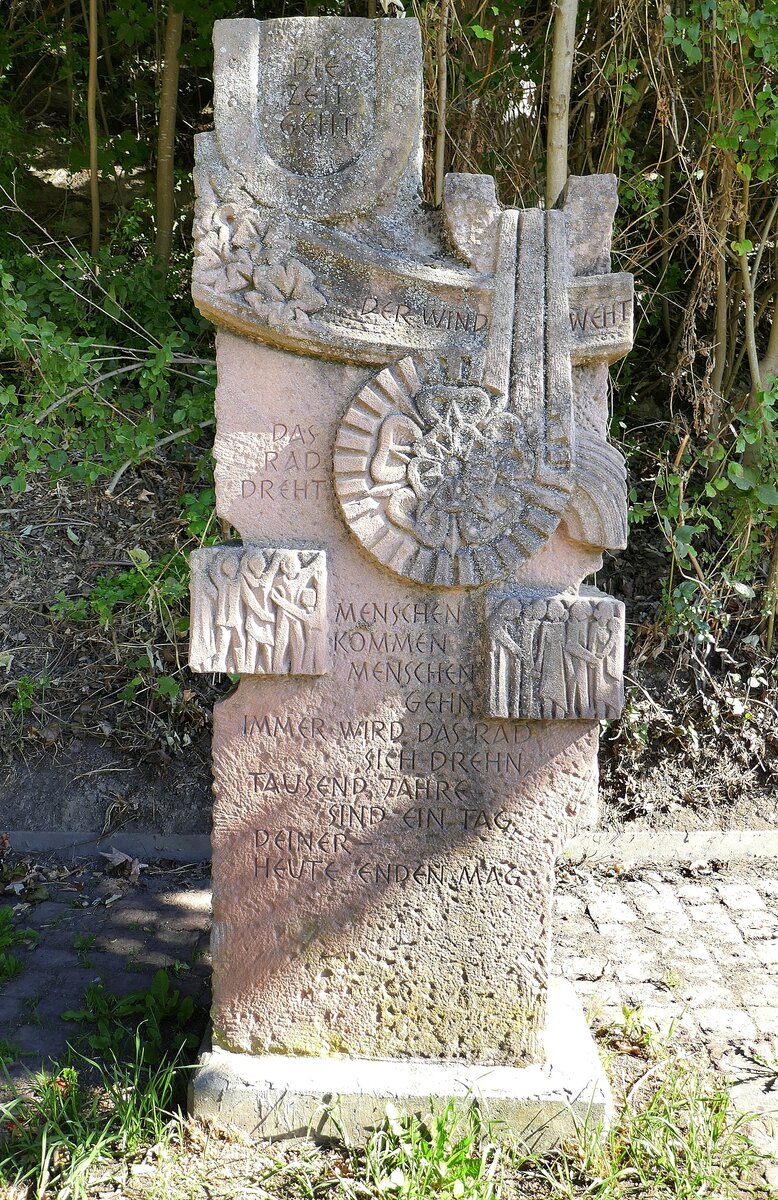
(91, 116)
(771, 593)
(69, 65)
(103, 27)
(440, 136)
(559, 98)
(167, 135)
(720, 345)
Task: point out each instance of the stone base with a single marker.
(275, 1096)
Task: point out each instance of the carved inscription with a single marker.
(258, 611)
(315, 115)
(414, 778)
(601, 316)
(315, 99)
(291, 470)
(554, 657)
(431, 315)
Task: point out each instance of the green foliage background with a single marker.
(104, 363)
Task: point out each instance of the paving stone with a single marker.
(762, 993)
(616, 935)
(714, 916)
(639, 995)
(47, 913)
(670, 1019)
(655, 899)
(696, 893)
(599, 994)
(727, 1023)
(765, 1019)
(581, 967)
(757, 924)
(767, 953)
(740, 896)
(637, 968)
(708, 995)
(566, 905)
(31, 983)
(609, 908)
(768, 886)
(677, 924)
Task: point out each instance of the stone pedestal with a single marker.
(544, 1105)
(411, 415)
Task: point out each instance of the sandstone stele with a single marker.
(411, 441)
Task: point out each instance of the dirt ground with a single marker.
(102, 727)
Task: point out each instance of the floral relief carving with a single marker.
(246, 256)
(463, 472)
(440, 480)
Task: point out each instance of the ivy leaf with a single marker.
(486, 35)
(767, 493)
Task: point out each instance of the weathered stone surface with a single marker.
(377, 837)
(471, 212)
(419, 398)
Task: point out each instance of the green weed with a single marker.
(29, 690)
(10, 965)
(634, 1034)
(60, 1130)
(447, 1154)
(164, 1016)
(682, 1142)
(82, 944)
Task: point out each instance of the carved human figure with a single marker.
(256, 579)
(605, 644)
(230, 634)
(306, 614)
(579, 659)
(550, 659)
(507, 659)
(293, 619)
(204, 626)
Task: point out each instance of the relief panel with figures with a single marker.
(259, 611)
(555, 657)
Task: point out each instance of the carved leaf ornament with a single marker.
(246, 258)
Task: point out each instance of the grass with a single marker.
(109, 1119)
(679, 1139)
(676, 1137)
(446, 1154)
(60, 1130)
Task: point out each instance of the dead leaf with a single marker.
(136, 868)
(116, 858)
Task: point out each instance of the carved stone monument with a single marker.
(411, 442)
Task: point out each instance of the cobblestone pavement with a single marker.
(91, 927)
(693, 948)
